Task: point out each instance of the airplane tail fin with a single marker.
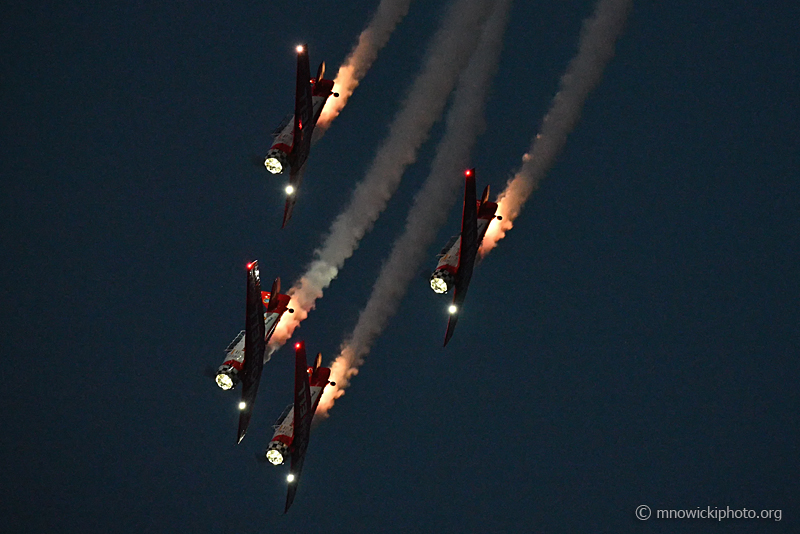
(321, 72)
(273, 295)
(485, 195)
(322, 87)
(486, 209)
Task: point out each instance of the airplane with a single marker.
(244, 357)
(457, 258)
(293, 427)
(292, 138)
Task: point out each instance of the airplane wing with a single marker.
(303, 122)
(303, 110)
(254, 347)
(302, 420)
(295, 179)
(468, 251)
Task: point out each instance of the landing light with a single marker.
(452, 309)
(289, 189)
(224, 381)
(290, 478)
(242, 405)
(273, 165)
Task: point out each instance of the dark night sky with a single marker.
(634, 339)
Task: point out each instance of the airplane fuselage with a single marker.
(280, 156)
(282, 440)
(228, 373)
(443, 276)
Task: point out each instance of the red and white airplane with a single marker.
(292, 138)
(457, 258)
(244, 357)
(293, 427)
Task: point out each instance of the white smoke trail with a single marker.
(361, 58)
(431, 205)
(596, 48)
(451, 47)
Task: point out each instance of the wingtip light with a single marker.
(300, 49)
(452, 309)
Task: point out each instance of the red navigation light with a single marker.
(468, 173)
(297, 345)
(249, 265)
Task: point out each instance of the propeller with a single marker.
(261, 458)
(210, 372)
(424, 273)
(321, 71)
(257, 161)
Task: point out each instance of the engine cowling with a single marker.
(276, 161)
(442, 280)
(277, 452)
(228, 373)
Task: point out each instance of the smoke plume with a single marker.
(451, 47)
(431, 205)
(596, 48)
(361, 58)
